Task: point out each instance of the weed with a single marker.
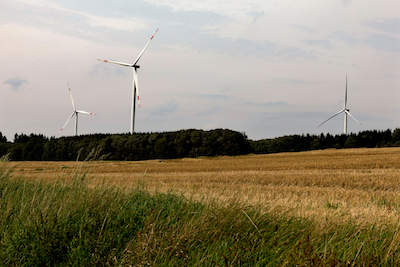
(331, 205)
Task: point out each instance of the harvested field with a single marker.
(361, 185)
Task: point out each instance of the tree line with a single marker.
(295, 143)
(138, 146)
(179, 144)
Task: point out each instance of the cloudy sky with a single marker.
(264, 67)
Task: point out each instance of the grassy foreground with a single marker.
(74, 223)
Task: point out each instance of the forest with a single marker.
(179, 144)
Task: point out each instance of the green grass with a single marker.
(73, 224)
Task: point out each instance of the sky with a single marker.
(267, 68)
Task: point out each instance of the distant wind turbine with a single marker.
(345, 110)
(75, 113)
(135, 86)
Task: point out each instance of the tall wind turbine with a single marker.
(135, 86)
(75, 113)
(345, 110)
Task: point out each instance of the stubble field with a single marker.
(357, 185)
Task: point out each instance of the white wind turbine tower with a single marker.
(345, 110)
(75, 113)
(135, 86)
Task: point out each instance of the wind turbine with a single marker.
(346, 112)
(75, 113)
(135, 86)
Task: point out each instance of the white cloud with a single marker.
(234, 8)
(111, 22)
(120, 24)
(42, 3)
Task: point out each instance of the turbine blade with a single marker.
(116, 62)
(353, 118)
(136, 85)
(85, 112)
(72, 99)
(141, 53)
(345, 95)
(332, 117)
(70, 118)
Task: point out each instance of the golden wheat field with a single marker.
(361, 185)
